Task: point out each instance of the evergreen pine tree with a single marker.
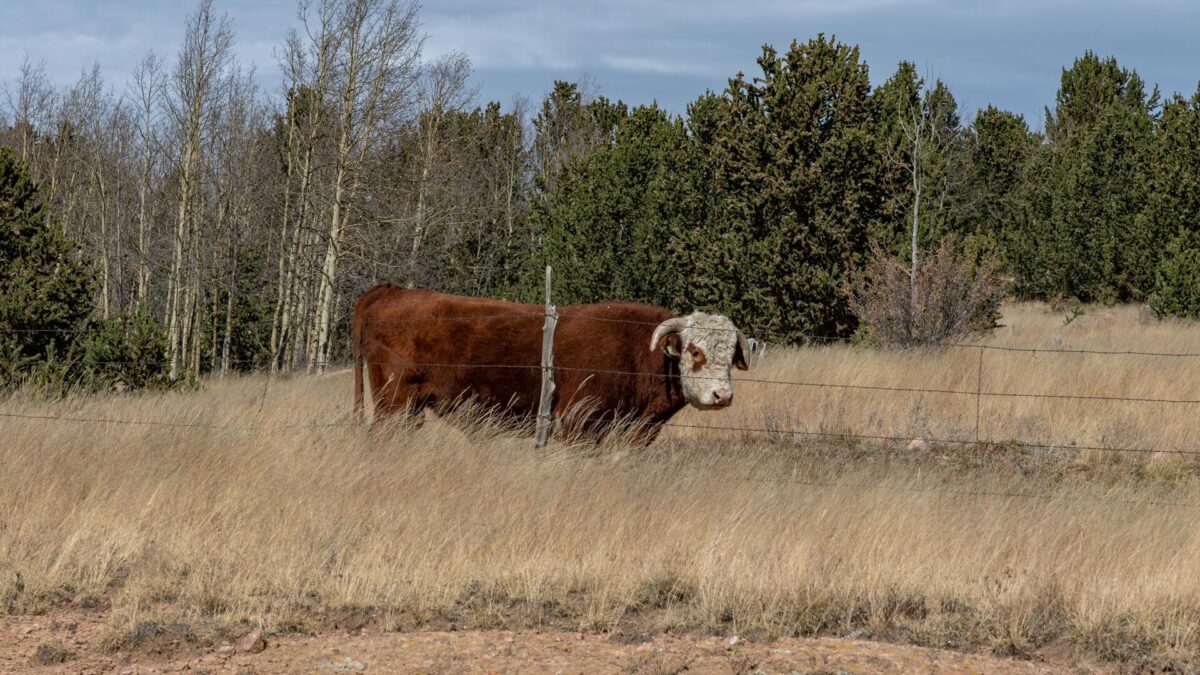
(793, 174)
(1174, 207)
(609, 231)
(1087, 185)
(999, 147)
(45, 289)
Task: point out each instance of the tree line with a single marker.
(193, 219)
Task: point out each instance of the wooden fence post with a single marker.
(545, 417)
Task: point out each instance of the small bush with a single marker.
(123, 352)
(951, 297)
(119, 354)
(51, 653)
(1177, 278)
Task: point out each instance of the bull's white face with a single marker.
(707, 347)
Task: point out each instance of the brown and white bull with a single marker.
(612, 360)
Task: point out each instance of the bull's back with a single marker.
(445, 348)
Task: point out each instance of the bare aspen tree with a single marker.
(203, 59)
(234, 168)
(513, 165)
(915, 129)
(146, 89)
(443, 90)
(287, 248)
(55, 163)
(375, 65)
(122, 133)
(67, 159)
(503, 172)
(930, 132)
(30, 104)
(99, 171)
(308, 62)
(91, 113)
(36, 116)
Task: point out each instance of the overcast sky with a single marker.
(1006, 53)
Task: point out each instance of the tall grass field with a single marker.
(290, 515)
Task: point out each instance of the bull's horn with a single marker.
(675, 325)
(743, 351)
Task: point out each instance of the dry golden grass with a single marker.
(1060, 422)
(289, 527)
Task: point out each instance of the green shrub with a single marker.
(123, 352)
(1177, 278)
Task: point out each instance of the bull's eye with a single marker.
(698, 358)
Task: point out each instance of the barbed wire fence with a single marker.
(565, 315)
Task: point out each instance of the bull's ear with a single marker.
(741, 353)
(666, 336)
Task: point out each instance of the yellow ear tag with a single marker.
(671, 351)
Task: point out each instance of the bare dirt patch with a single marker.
(499, 651)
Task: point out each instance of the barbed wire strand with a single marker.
(740, 380)
(1066, 447)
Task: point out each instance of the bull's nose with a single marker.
(722, 397)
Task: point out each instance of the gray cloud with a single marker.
(1005, 53)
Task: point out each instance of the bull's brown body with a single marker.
(423, 348)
